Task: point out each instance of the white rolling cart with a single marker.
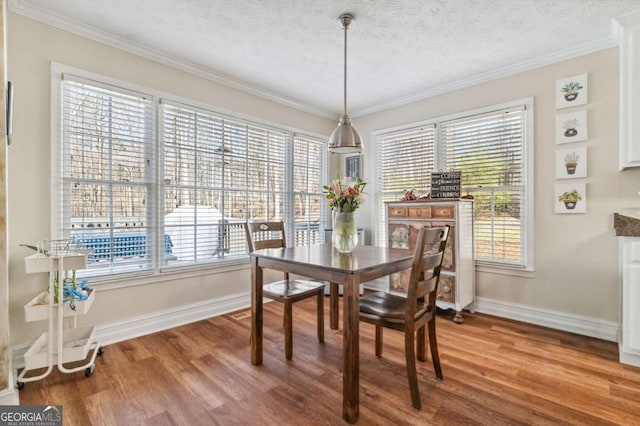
(64, 342)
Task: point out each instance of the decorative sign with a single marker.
(445, 184)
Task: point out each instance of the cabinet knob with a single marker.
(446, 289)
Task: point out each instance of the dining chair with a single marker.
(416, 312)
(263, 235)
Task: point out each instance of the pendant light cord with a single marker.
(345, 68)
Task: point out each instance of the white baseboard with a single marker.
(628, 358)
(163, 320)
(9, 396)
(158, 321)
(586, 326)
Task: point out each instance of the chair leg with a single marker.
(433, 343)
(422, 343)
(412, 374)
(321, 316)
(378, 341)
(288, 331)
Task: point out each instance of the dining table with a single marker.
(323, 262)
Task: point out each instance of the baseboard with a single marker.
(627, 358)
(158, 321)
(9, 396)
(163, 320)
(586, 326)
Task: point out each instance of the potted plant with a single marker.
(570, 127)
(571, 90)
(571, 162)
(570, 199)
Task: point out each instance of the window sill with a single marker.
(112, 282)
(505, 270)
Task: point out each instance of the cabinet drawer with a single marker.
(397, 212)
(442, 212)
(423, 212)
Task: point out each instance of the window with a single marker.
(490, 149)
(106, 174)
(309, 174)
(414, 150)
(149, 197)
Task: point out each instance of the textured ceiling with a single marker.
(398, 50)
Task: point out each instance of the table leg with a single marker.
(351, 350)
(256, 312)
(334, 314)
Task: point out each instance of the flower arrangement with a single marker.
(344, 195)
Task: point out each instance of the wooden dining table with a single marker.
(323, 262)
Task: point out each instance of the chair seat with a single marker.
(288, 289)
(388, 306)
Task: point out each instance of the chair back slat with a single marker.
(425, 269)
(265, 235)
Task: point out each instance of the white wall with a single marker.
(32, 46)
(575, 256)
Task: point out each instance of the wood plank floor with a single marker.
(496, 372)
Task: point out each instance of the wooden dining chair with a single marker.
(415, 313)
(263, 235)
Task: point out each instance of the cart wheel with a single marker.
(20, 385)
(89, 371)
(100, 350)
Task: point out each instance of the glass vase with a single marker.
(345, 234)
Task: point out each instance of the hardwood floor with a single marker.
(496, 372)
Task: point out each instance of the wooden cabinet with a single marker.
(457, 279)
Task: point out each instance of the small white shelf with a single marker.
(75, 347)
(38, 308)
(43, 263)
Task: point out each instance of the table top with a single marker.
(361, 259)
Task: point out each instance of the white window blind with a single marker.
(107, 167)
(489, 151)
(152, 185)
(309, 175)
(218, 173)
(405, 160)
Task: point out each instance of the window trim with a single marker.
(528, 103)
(158, 97)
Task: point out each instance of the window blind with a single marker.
(151, 185)
(309, 175)
(405, 160)
(219, 172)
(106, 199)
(489, 151)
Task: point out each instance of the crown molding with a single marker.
(109, 39)
(507, 71)
(121, 43)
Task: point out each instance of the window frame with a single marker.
(158, 269)
(527, 268)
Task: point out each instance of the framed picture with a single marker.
(570, 198)
(571, 91)
(571, 127)
(571, 163)
(352, 166)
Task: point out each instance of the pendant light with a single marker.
(345, 138)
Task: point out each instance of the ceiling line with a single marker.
(121, 43)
